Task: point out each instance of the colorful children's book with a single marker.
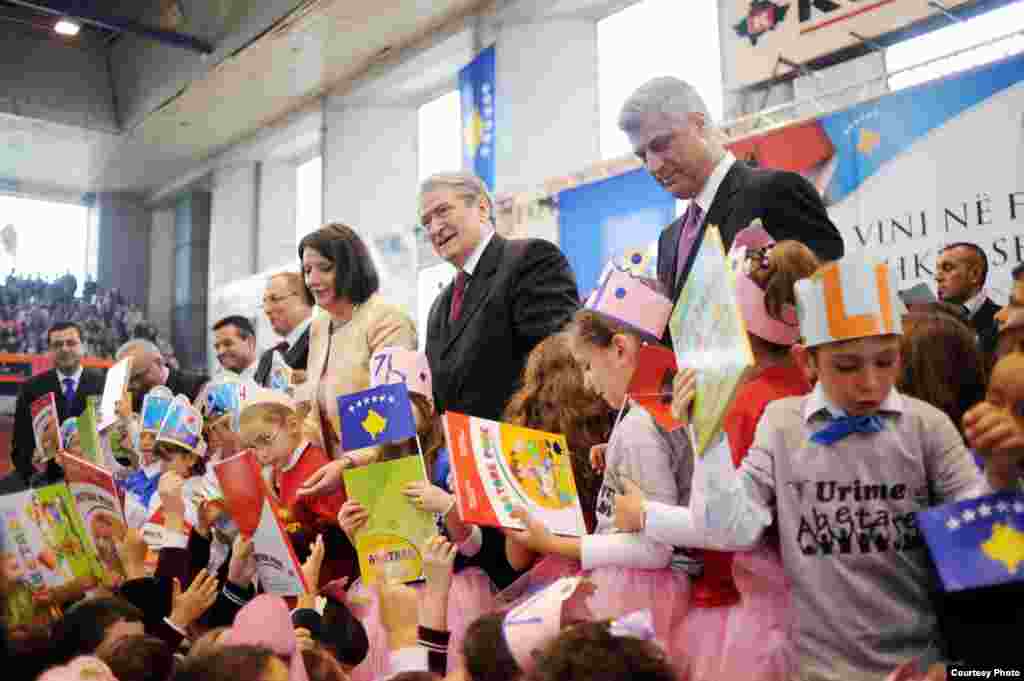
(651, 385)
(499, 466)
(255, 511)
(280, 377)
(113, 390)
(46, 426)
(710, 336)
(390, 545)
(99, 504)
(45, 546)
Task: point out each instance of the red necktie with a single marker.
(457, 293)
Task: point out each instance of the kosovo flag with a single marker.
(977, 543)
(376, 416)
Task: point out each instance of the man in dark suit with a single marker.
(70, 383)
(508, 295)
(670, 130)
(149, 370)
(289, 307)
(960, 273)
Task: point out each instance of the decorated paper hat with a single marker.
(68, 429)
(848, 299)
(631, 300)
(640, 262)
(224, 398)
(183, 426)
(398, 365)
(537, 621)
(155, 406)
(750, 295)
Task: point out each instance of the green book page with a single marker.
(88, 434)
(390, 546)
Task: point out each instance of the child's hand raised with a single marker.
(629, 507)
(535, 537)
(242, 567)
(171, 489)
(684, 390)
(597, 453)
(352, 517)
(428, 497)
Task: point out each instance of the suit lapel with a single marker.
(721, 207)
(477, 289)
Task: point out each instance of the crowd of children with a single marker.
(790, 548)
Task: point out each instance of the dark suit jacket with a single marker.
(986, 326)
(296, 357)
(522, 291)
(24, 440)
(788, 205)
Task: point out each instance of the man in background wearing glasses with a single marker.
(70, 383)
(289, 309)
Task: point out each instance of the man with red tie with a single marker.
(70, 382)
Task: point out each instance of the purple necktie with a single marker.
(69, 390)
(691, 221)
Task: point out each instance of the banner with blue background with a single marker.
(476, 97)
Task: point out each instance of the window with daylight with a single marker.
(30, 227)
(309, 197)
(440, 135)
(645, 41)
(962, 45)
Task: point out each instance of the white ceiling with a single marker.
(273, 82)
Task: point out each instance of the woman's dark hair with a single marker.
(225, 663)
(85, 624)
(942, 365)
(138, 658)
(486, 652)
(164, 450)
(355, 275)
(589, 652)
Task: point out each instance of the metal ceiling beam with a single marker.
(86, 13)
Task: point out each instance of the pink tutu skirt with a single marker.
(545, 572)
(758, 640)
(702, 638)
(665, 592)
(471, 595)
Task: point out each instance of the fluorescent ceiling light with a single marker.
(65, 27)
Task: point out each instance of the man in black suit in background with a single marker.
(149, 370)
(508, 295)
(671, 132)
(70, 383)
(288, 305)
(960, 273)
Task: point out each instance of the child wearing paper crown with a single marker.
(470, 592)
(841, 473)
(141, 499)
(630, 571)
(271, 425)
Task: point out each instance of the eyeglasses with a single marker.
(264, 441)
(274, 300)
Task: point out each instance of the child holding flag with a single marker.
(842, 473)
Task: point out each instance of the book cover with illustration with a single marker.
(390, 545)
(651, 385)
(499, 466)
(44, 546)
(258, 516)
(99, 504)
(46, 426)
(710, 336)
(113, 391)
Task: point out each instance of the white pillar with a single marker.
(370, 183)
(233, 220)
(160, 303)
(546, 107)
(275, 239)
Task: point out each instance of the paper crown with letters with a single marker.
(224, 398)
(533, 624)
(848, 299)
(634, 301)
(183, 426)
(398, 365)
(750, 295)
(68, 429)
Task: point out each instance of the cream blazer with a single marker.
(376, 324)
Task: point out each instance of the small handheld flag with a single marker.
(376, 416)
(978, 542)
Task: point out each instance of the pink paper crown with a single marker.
(531, 625)
(634, 301)
(785, 331)
(398, 365)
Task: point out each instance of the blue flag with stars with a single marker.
(978, 542)
(376, 416)
(476, 97)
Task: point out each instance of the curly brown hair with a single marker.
(942, 364)
(554, 398)
(589, 652)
